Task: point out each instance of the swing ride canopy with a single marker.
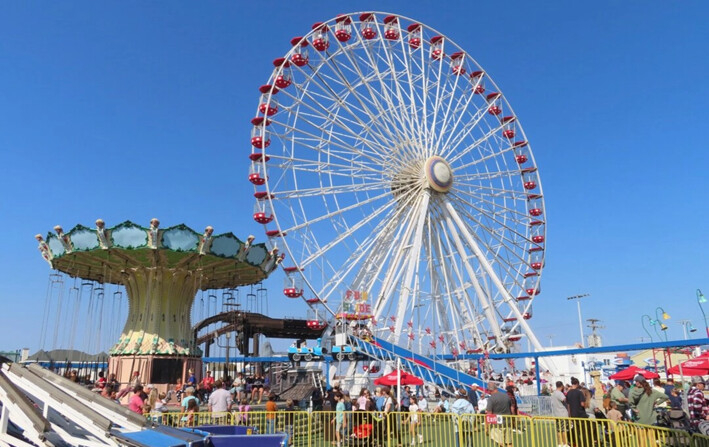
(106, 254)
(161, 270)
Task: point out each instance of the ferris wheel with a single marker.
(396, 181)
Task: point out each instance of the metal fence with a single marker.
(535, 405)
(361, 428)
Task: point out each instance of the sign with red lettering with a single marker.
(493, 419)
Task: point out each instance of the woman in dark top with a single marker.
(513, 400)
(257, 389)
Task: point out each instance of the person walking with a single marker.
(339, 419)
(414, 421)
(460, 406)
(560, 412)
(576, 405)
(498, 403)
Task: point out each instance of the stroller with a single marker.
(362, 435)
(675, 419)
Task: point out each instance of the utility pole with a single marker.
(594, 340)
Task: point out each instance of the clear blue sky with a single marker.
(133, 110)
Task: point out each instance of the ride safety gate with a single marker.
(361, 428)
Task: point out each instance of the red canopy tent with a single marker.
(631, 371)
(695, 367)
(391, 379)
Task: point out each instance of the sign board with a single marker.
(493, 419)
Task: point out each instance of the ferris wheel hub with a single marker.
(439, 174)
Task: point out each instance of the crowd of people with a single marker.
(635, 401)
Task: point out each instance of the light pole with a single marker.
(578, 304)
(701, 299)
(665, 316)
(684, 324)
(652, 323)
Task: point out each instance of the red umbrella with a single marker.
(631, 371)
(695, 367)
(391, 379)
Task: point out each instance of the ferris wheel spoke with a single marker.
(512, 263)
(350, 125)
(395, 267)
(332, 190)
(392, 113)
(336, 281)
(454, 227)
(449, 127)
(383, 245)
(313, 104)
(346, 234)
(509, 244)
(412, 117)
(491, 217)
(409, 287)
(416, 71)
(443, 96)
(482, 176)
(507, 298)
(417, 123)
(492, 195)
(301, 137)
(337, 212)
(477, 143)
(365, 103)
(315, 166)
(448, 277)
(495, 207)
(373, 251)
(457, 130)
(402, 96)
(469, 308)
(435, 87)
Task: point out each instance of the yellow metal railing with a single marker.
(355, 428)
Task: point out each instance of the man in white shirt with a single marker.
(559, 410)
(220, 400)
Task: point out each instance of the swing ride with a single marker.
(161, 271)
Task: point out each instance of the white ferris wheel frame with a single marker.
(421, 233)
